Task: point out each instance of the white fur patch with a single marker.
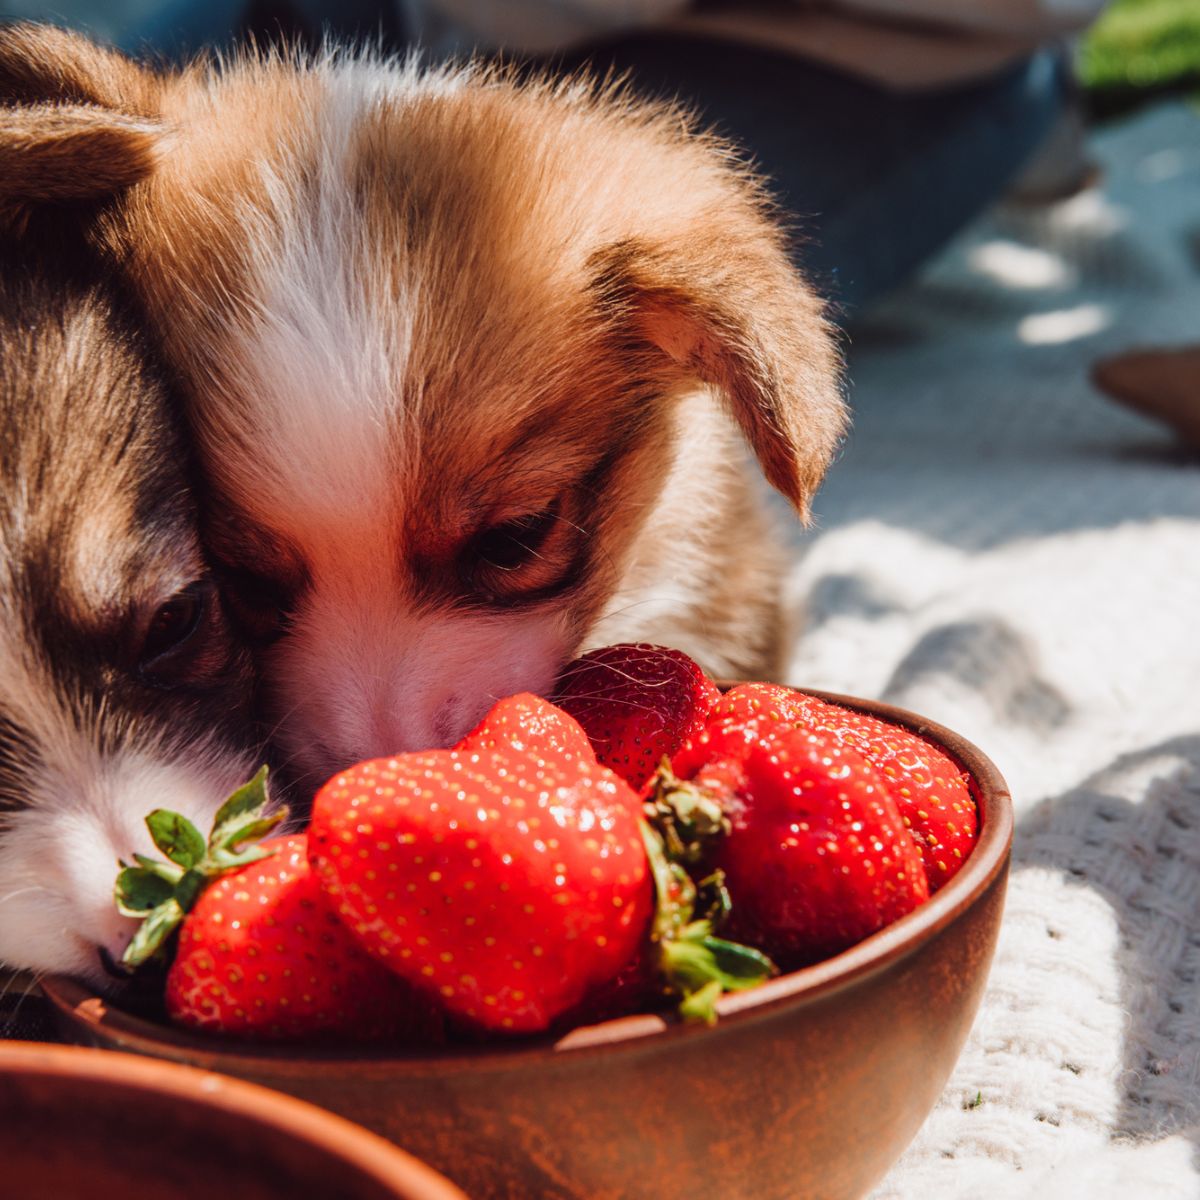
(85, 810)
(317, 365)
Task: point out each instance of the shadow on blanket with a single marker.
(991, 658)
(1143, 856)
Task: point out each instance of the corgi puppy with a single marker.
(471, 363)
(122, 688)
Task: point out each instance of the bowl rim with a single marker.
(374, 1156)
(82, 1008)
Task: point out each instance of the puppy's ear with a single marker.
(42, 64)
(731, 312)
(60, 153)
(78, 121)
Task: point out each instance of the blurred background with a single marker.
(1137, 47)
(883, 126)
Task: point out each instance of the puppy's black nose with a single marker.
(139, 992)
(111, 966)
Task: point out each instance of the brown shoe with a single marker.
(1164, 384)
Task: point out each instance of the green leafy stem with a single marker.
(162, 893)
(680, 822)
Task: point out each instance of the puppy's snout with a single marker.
(427, 723)
(112, 933)
(456, 716)
(103, 934)
(356, 687)
(112, 965)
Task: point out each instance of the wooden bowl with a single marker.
(86, 1125)
(811, 1085)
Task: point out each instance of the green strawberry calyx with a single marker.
(695, 964)
(162, 893)
(688, 816)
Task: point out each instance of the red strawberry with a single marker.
(816, 856)
(682, 960)
(262, 955)
(637, 988)
(260, 952)
(526, 721)
(638, 703)
(931, 791)
(509, 879)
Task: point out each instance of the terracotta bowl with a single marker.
(811, 1085)
(84, 1125)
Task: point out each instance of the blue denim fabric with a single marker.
(873, 181)
(177, 29)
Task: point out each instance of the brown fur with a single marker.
(42, 64)
(71, 152)
(122, 687)
(97, 525)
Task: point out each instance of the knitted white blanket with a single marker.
(1001, 549)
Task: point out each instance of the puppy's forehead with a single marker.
(384, 313)
(92, 504)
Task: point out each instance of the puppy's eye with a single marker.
(174, 623)
(511, 545)
(526, 560)
(258, 605)
(172, 629)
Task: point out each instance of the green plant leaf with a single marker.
(246, 806)
(253, 829)
(687, 815)
(701, 1005)
(225, 860)
(162, 893)
(713, 902)
(153, 933)
(738, 967)
(176, 837)
(703, 967)
(692, 962)
(168, 871)
(138, 891)
(675, 894)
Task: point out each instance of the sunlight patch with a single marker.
(1063, 325)
(1015, 266)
